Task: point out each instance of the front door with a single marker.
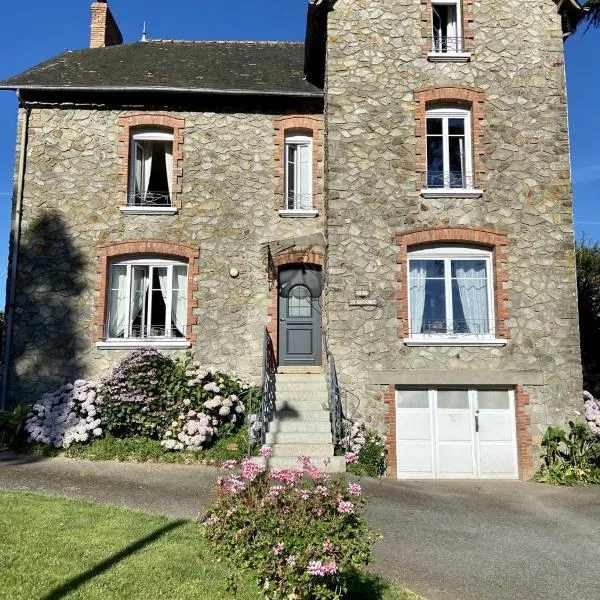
(300, 336)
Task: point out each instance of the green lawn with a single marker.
(54, 548)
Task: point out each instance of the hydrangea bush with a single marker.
(148, 395)
(366, 452)
(299, 530)
(68, 415)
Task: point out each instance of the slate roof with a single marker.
(274, 68)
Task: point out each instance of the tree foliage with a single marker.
(592, 16)
(588, 289)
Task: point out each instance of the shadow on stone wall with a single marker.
(47, 342)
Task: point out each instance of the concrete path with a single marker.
(445, 540)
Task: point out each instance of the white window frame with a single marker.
(457, 54)
(448, 254)
(128, 341)
(468, 190)
(299, 209)
(145, 135)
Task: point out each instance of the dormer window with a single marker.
(298, 173)
(151, 169)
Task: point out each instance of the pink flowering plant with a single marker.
(302, 532)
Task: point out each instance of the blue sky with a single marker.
(33, 31)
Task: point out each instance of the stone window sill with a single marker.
(149, 210)
(448, 56)
(455, 341)
(128, 344)
(298, 213)
(451, 193)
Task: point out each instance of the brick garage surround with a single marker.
(158, 120)
(290, 257)
(524, 439)
(466, 17)
(312, 125)
(470, 97)
(106, 252)
(522, 419)
(492, 240)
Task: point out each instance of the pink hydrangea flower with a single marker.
(351, 457)
(278, 548)
(346, 508)
(251, 470)
(265, 451)
(354, 489)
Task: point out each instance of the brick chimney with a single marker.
(104, 30)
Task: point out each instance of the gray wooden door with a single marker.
(300, 336)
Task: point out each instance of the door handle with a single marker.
(476, 423)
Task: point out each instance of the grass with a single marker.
(146, 450)
(53, 548)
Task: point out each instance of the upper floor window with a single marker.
(151, 169)
(449, 154)
(298, 173)
(147, 300)
(446, 27)
(451, 294)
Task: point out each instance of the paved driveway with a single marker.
(446, 540)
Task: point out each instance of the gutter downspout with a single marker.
(15, 241)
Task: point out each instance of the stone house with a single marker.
(393, 194)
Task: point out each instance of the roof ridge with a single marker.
(253, 42)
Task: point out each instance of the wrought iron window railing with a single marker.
(444, 44)
(297, 201)
(149, 199)
(448, 180)
(152, 332)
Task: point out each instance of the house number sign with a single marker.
(363, 302)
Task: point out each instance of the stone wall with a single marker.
(71, 207)
(375, 66)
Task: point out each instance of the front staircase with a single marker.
(301, 424)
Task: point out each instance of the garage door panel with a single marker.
(455, 459)
(495, 427)
(497, 460)
(415, 458)
(414, 425)
(454, 427)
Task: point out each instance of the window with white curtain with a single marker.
(446, 27)
(449, 158)
(147, 298)
(298, 172)
(451, 293)
(151, 168)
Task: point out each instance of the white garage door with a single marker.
(455, 434)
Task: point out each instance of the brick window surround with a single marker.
(289, 257)
(299, 124)
(491, 240)
(158, 120)
(466, 18)
(433, 96)
(522, 418)
(107, 252)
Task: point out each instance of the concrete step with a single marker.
(296, 449)
(302, 393)
(284, 387)
(329, 464)
(301, 405)
(298, 437)
(301, 377)
(309, 416)
(300, 427)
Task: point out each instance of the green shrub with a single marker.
(12, 423)
(302, 533)
(570, 459)
(370, 453)
(134, 400)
